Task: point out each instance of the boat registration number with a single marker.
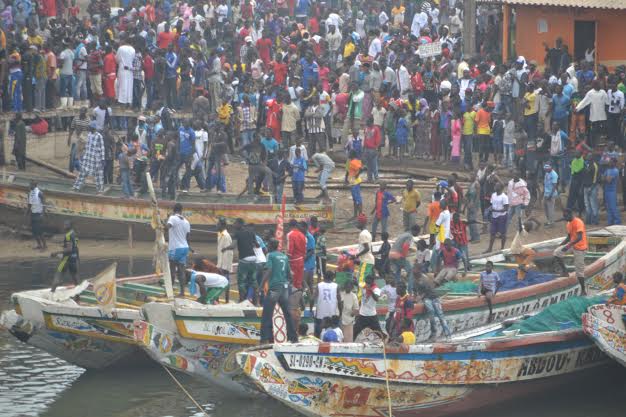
(306, 361)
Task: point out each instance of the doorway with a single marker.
(584, 38)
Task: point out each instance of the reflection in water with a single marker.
(32, 383)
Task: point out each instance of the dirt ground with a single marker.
(18, 246)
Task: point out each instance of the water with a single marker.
(33, 383)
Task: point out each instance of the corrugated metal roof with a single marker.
(590, 4)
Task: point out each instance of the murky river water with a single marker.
(33, 383)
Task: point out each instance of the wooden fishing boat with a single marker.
(80, 332)
(606, 325)
(200, 341)
(109, 215)
(426, 380)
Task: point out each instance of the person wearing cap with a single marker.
(92, 162)
(550, 192)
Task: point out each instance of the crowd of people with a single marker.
(281, 84)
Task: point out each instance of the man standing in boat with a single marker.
(178, 230)
(36, 208)
(575, 243)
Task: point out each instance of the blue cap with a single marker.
(330, 336)
(93, 124)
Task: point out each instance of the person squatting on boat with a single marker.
(209, 284)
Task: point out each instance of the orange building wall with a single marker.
(610, 29)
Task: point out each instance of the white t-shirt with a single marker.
(444, 220)
(212, 280)
(497, 203)
(368, 305)
(422, 256)
(375, 48)
(67, 67)
(326, 303)
(350, 301)
(365, 237)
(202, 138)
(177, 233)
(392, 296)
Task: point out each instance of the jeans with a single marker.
(269, 302)
(324, 175)
(80, 91)
(108, 171)
(396, 267)
(170, 92)
(592, 208)
(530, 125)
(278, 192)
(409, 219)
(137, 93)
(467, 150)
(473, 214)
(74, 163)
(371, 161)
(548, 207)
(513, 210)
(610, 199)
(149, 92)
(40, 94)
(246, 137)
(127, 187)
(246, 279)
(298, 190)
(509, 154)
(382, 221)
(66, 86)
(186, 180)
(434, 310)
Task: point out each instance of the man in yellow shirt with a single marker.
(531, 112)
(411, 200)
(469, 128)
(483, 130)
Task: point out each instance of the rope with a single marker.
(185, 391)
(382, 338)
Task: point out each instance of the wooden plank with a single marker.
(52, 168)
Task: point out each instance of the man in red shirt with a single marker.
(109, 72)
(148, 73)
(296, 251)
(264, 46)
(371, 143)
(165, 38)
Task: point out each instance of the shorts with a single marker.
(68, 263)
(178, 255)
(498, 225)
(356, 194)
(484, 291)
(36, 224)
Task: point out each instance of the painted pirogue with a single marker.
(109, 215)
(466, 373)
(606, 325)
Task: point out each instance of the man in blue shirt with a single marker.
(299, 167)
(550, 192)
(560, 108)
(186, 141)
(380, 212)
(310, 71)
(171, 75)
(610, 193)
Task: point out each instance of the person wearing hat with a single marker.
(550, 192)
(92, 162)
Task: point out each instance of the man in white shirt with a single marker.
(404, 79)
(614, 116)
(364, 253)
(210, 285)
(376, 45)
(596, 99)
(367, 313)
(327, 301)
(303, 152)
(224, 257)
(178, 230)
(333, 39)
(499, 210)
(444, 221)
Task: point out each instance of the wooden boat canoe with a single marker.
(426, 380)
(193, 333)
(606, 325)
(109, 215)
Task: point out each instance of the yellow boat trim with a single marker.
(51, 326)
(182, 329)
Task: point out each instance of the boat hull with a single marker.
(327, 380)
(605, 325)
(84, 351)
(103, 216)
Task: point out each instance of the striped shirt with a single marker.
(314, 120)
(489, 281)
(79, 125)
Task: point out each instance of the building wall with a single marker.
(610, 30)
